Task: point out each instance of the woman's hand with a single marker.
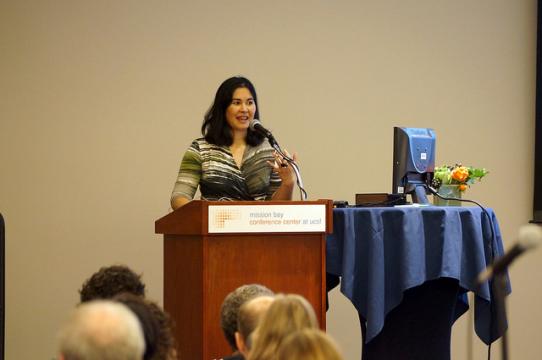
(178, 201)
(287, 176)
(283, 168)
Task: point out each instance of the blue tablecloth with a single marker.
(381, 252)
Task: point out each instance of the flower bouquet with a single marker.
(451, 181)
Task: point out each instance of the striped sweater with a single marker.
(213, 168)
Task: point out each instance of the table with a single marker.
(385, 254)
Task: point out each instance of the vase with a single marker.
(451, 191)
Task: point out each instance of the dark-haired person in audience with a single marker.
(250, 315)
(308, 344)
(110, 281)
(231, 161)
(167, 346)
(120, 283)
(101, 330)
(286, 315)
(230, 310)
(156, 324)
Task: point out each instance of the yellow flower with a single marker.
(460, 173)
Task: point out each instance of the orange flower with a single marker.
(462, 187)
(460, 174)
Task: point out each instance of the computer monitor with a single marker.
(413, 162)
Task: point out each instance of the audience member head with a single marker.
(166, 349)
(156, 324)
(250, 315)
(287, 314)
(110, 281)
(308, 344)
(151, 329)
(230, 308)
(102, 330)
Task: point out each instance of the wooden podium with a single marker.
(211, 248)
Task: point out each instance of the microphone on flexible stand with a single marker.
(530, 236)
(256, 125)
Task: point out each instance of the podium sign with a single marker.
(267, 218)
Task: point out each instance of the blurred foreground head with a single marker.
(286, 315)
(309, 344)
(101, 330)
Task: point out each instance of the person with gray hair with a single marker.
(101, 330)
(230, 309)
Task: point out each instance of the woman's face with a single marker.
(241, 110)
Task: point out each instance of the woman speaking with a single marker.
(231, 161)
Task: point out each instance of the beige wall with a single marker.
(99, 99)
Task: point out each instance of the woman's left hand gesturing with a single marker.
(283, 168)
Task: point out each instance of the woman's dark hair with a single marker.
(149, 324)
(156, 325)
(215, 128)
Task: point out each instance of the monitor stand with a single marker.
(419, 195)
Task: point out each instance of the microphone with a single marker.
(256, 125)
(530, 236)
